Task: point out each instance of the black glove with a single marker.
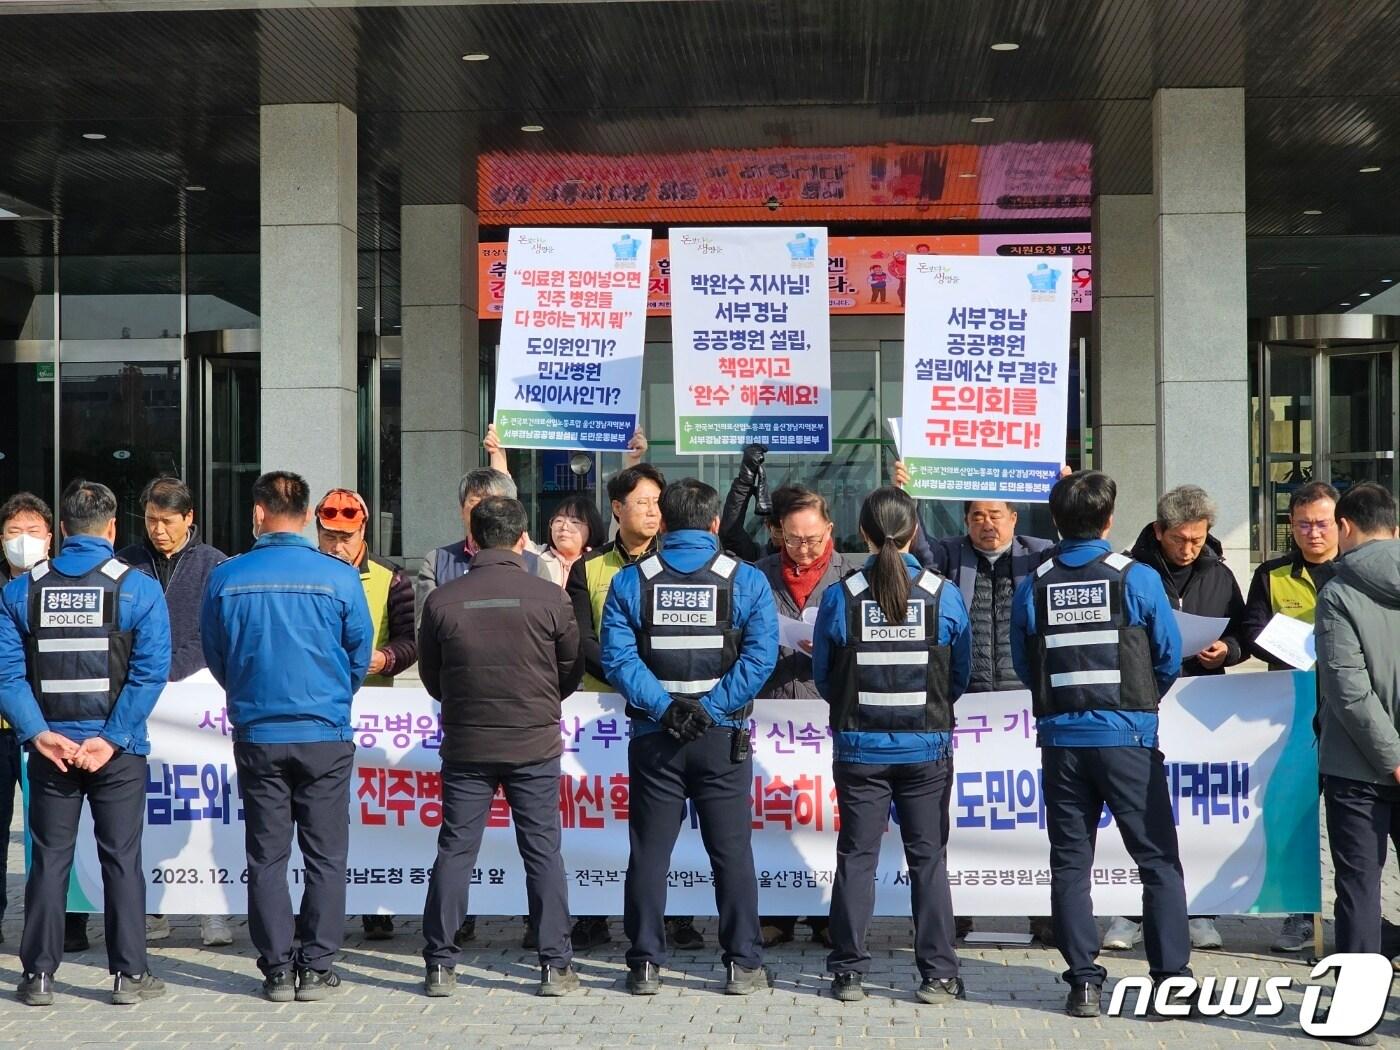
(753, 458)
(676, 719)
(685, 720)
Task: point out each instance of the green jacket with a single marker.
(589, 580)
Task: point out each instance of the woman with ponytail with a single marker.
(892, 652)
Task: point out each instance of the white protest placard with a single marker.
(573, 325)
(986, 376)
(751, 339)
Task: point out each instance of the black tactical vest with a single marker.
(77, 652)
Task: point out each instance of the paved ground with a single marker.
(1015, 998)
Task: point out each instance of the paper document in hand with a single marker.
(1290, 640)
(1197, 632)
(793, 632)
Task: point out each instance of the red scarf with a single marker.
(801, 581)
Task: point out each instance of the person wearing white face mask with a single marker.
(26, 526)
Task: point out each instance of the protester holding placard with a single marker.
(891, 655)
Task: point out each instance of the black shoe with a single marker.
(935, 990)
(279, 987)
(128, 990)
(316, 984)
(739, 981)
(1083, 999)
(530, 941)
(962, 926)
(75, 934)
(847, 988)
(439, 982)
(1043, 930)
(466, 933)
(644, 979)
(36, 989)
(1367, 1039)
(378, 927)
(555, 982)
(590, 932)
(681, 933)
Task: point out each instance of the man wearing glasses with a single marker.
(1289, 584)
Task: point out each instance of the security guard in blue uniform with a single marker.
(689, 636)
(84, 655)
(1094, 639)
(892, 652)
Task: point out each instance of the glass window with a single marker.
(391, 457)
(223, 292)
(121, 426)
(26, 297)
(120, 297)
(26, 429)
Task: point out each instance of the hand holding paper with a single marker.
(1290, 640)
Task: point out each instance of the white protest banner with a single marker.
(751, 339)
(569, 368)
(986, 376)
(1240, 765)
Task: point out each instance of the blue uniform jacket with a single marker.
(954, 631)
(1147, 606)
(142, 611)
(287, 633)
(754, 614)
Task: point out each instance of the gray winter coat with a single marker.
(792, 677)
(1358, 661)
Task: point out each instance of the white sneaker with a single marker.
(1204, 934)
(1122, 935)
(157, 927)
(215, 931)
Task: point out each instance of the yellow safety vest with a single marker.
(1294, 596)
(376, 579)
(599, 573)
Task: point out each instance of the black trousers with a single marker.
(1132, 782)
(9, 781)
(307, 786)
(920, 792)
(1361, 819)
(116, 796)
(664, 773)
(533, 794)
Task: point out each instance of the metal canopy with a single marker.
(176, 93)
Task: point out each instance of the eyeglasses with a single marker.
(568, 523)
(1314, 526)
(797, 543)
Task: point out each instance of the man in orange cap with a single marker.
(340, 532)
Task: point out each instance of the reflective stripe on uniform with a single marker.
(724, 566)
(930, 583)
(115, 569)
(1057, 641)
(39, 571)
(892, 699)
(699, 685)
(689, 641)
(1118, 561)
(855, 583)
(1069, 678)
(887, 659)
(76, 685)
(1045, 567)
(651, 566)
(73, 645)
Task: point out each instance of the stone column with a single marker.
(441, 414)
(1124, 373)
(1202, 311)
(307, 177)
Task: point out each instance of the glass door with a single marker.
(230, 442)
(1361, 417)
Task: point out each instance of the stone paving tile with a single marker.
(1014, 998)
